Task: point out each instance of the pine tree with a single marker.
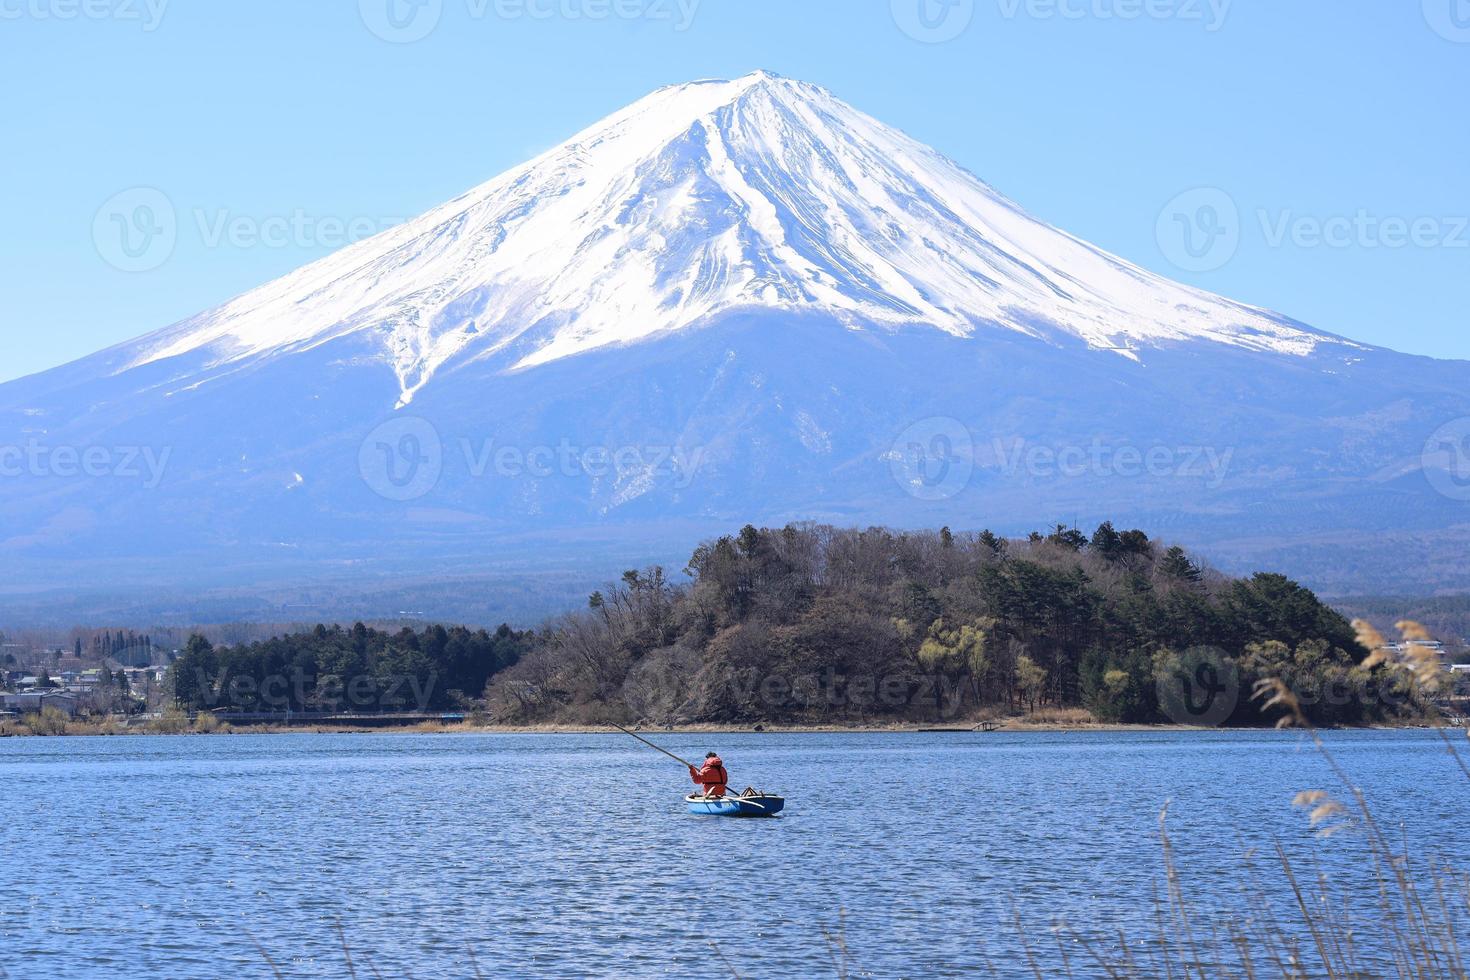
(1106, 541)
(1176, 565)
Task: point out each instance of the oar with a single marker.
(655, 747)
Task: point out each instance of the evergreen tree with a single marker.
(1068, 537)
(1106, 541)
(1135, 542)
(1177, 566)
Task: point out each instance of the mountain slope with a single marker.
(737, 300)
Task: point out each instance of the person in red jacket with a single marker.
(711, 776)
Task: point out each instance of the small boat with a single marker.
(751, 803)
(758, 805)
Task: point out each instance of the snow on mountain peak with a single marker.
(701, 200)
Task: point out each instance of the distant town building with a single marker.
(33, 702)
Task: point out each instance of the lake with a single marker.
(571, 855)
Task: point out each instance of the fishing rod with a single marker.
(655, 747)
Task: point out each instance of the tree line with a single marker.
(345, 670)
(812, 623)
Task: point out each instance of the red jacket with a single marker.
(712, 777)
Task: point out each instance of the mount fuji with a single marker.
(731, 301)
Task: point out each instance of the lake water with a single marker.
(549, 855)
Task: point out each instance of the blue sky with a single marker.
(1311, 156)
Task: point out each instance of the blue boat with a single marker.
(760, 805)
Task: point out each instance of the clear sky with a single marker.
(161, 156)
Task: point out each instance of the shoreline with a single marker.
(1009, 727)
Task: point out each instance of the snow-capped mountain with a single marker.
(792, 304)
(698, 201)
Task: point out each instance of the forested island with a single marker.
(812, 624)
